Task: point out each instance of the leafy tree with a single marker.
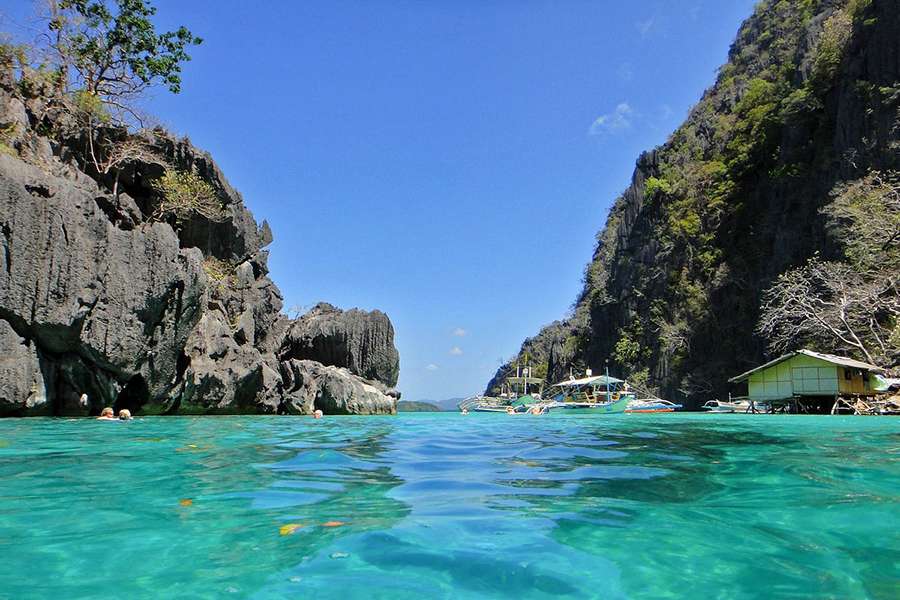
(853, 305)
(116, 54)
(866, 214)
(830, 49)
(101, 56)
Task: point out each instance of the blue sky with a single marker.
(447, 162)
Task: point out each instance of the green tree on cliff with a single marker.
(99, 58)
(110, 52)
(851, 305)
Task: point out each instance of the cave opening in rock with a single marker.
(133, 396)
(181, 365)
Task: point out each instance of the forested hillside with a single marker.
(768, 221)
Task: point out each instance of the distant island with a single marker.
(411, 406)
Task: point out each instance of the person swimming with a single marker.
(124, 415)
(107, 414)
(318, 414)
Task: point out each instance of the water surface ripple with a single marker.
(446, 506)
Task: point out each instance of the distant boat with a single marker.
(599, 394)
(733, 406)
(514, 394)
(654, 405)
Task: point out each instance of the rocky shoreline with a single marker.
(100, 297)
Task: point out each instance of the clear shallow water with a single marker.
(621, 506)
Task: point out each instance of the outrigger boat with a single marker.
(716, 406)
(599, 394)
(591, 394)
(514, 395)
(734, 406)
(605, 394)
(655, 405)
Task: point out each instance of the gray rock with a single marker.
(90, 296)
(97, 301)
(309, 385)
(362, 342)
(21, 381)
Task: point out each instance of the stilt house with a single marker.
(809, 381)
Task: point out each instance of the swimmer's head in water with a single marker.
(124, 414)
(318, 414)
(107, 413)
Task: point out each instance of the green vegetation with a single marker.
(7, 135)
(217, 270)
(90, 108)
(654, 186)
(13, 55)
(628, 350)
(183, 194)
(851, 305)
(89, 70)
(114, 49)
(831, 47)
(733, 199)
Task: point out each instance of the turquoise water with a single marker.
(441, 506)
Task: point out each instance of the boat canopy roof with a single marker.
(521, 380)
(596, 380)
(523, 400)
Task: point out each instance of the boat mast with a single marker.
(527, 372)
(607, 380)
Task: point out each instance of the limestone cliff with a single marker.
(809, 100)
(100, 296)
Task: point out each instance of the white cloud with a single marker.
(695, 12)
(615, 121)
(431, 367)
(459, 332)
(645, 27)
(665, 111)
(456, 351)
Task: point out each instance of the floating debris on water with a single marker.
(333, 524)
(186, 502)
(289, 528)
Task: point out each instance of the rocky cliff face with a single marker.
(809, 99)
(359, 341)
(100, 297)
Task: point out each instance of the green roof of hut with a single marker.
(842, 361)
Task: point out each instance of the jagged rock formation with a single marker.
(100, 297)
(360, 341)
(809, 99)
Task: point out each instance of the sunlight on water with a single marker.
(623, 506)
